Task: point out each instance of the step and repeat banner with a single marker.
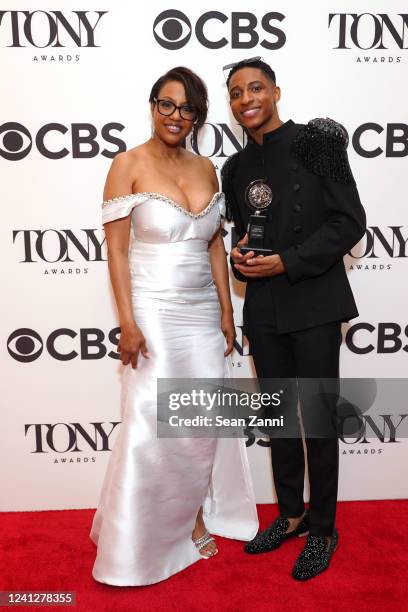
(75, 86)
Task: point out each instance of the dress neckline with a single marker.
(164, 198)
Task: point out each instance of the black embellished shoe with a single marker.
(315, 557)
(272, 537)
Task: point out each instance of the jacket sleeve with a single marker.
(233, 214)
(345, 217)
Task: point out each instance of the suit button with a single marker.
(298, 245)
(297, 207)
(297, 229)
(296, 187)
(294, 166)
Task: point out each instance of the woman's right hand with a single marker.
(130, 343)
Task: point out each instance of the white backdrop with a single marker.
(74, 93)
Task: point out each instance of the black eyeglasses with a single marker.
(167, 108)
(227, 69)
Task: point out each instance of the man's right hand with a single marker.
(237, 256)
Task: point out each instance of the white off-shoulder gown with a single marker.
(154, 487)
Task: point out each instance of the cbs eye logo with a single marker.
(25, 345)
(15, 141)
(174, 31)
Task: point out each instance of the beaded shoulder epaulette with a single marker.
(321, 146)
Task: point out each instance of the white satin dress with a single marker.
(154, 487)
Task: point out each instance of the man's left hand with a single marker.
(261, 266)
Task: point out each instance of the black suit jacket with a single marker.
(315, 218)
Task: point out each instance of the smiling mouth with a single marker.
(174, 129)
(250, 112)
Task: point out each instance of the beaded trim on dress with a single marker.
(162, 198)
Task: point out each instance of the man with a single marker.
(297, 297)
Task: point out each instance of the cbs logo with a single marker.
(26, 345)
(172, 30)
(16, 141)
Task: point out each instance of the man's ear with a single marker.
(277, 93)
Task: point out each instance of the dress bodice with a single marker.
(158, 219)
(169, 255)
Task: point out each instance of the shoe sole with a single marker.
(209, 556)
(260, 552)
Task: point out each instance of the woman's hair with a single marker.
(255, 63)
(196, 91)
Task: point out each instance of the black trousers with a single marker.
(312, 354)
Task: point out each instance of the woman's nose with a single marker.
(179, 114)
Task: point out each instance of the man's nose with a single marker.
(246, 97)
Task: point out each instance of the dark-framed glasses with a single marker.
(167, 108)
(228, 67)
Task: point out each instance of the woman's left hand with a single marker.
(228, 329)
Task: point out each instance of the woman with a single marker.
(174, 308)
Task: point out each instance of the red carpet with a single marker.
(51, 550)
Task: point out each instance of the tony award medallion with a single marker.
(258, 196)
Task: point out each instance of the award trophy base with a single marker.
(256, 236)
(246, 249)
